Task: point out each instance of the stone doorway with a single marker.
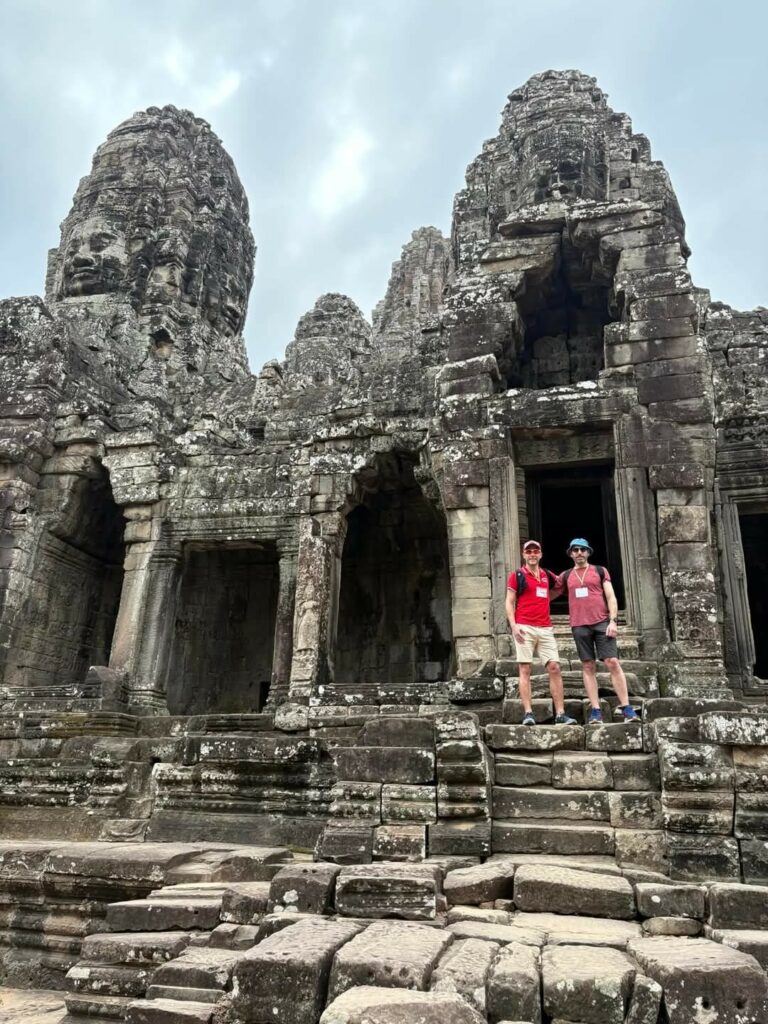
(224, 631)
(68, 616)
(394, 609)
(564, 503)
(754, 542)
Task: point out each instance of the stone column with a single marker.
(310, 658)
(143, 633)
(283, 647)
(505, 542)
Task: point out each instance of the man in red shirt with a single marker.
(593, 610)
(531, 624)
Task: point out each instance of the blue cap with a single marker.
(579, 542)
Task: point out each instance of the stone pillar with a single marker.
(310, 659)
(644, 593)
(505, 543)
(283, 648)
(143, 636)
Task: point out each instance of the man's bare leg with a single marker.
(618, 680)
(524, 686)
(590, 682)
(556, 686)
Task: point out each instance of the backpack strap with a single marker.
(522, 582)
(565, 577)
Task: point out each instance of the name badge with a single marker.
(581, 591)
(542, 592)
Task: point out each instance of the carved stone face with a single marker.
(95, 259)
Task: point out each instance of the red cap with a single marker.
(531, 544)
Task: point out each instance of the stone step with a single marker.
(575, 707)
(168, 1011)
(153, 914)
(542, 737)
(181, 994)
(532, 835)
(564, 804)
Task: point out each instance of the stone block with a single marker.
(696, 857)
(407, 891)
(732, 905)
(345, 841)
(754, 860)
(245, 902)
(303, 888)
(523, 769)
(480, 883)
(655, 899)
(753, 941)
(617, 738)
(164, 914)
(573, 929)
(198, 967)
(751, 817)
(709, 812)
(539, 836)
(481, 688)
(538, 738)
(539, 887)
(574, 805)
(393, 954)
(589, 986)
(463, 970)
(513, 988)
(369, 1004)
(168, 1011)
(498, 933)
(735, 728)
(400, 842)
(645, 1004)
(459, 838)
(577, 770)
(702, 979)
(750, 767)
(634, 809)
(408, 804)
(642, 847)
(695, 766)
(398, 731)
(361, 800)
(680, 926)
(632, 772)
(284, 978)
(410, 765)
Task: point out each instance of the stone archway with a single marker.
(394, 605)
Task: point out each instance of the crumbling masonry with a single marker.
(260, 754)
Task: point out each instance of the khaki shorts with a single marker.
(539, 643)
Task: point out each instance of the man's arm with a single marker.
(613, 608)
(510, 605)
(557, 587)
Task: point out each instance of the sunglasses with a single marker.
(585, 550)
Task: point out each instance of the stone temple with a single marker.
(260, 752)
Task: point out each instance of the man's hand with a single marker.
(518, 634)
(612, 629)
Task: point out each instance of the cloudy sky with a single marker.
(351, 121)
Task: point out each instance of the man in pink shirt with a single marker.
(593, 611)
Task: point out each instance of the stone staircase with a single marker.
(575, 790)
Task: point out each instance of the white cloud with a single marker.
(220, 91)
(177, 62)
(343, 180)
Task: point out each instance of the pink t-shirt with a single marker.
(586, 598)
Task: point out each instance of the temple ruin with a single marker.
(261, 754)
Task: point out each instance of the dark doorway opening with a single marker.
(70, 607)
(754, 541)
(225, 631)
(579, 502)
(394, 621)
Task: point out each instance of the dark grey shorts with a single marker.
(592, 643)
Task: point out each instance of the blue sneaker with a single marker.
(595, 717)
(563, 719)
(629, 714)
(528, 718)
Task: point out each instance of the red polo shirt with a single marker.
(532, 608)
